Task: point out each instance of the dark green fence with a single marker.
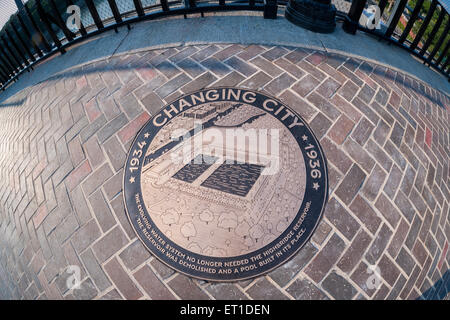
(39, 30)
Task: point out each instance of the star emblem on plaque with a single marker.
(225, 184)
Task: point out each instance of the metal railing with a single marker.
(39, 30)
(422, 29)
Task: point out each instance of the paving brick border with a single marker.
(63, 144)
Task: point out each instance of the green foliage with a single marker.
(428, 31)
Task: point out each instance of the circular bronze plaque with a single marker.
(225, 184)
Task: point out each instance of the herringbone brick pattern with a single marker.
(63, 145)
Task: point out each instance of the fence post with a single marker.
(424, 25)
(395, 16)
(270, 9)
(350, 26)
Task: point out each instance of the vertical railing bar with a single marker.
(69, 35)
(14, 44)
(192, 3)
(443, 54)
(28, 35)
(2, 79)
(439, 43)
(12, 68)
(6, 66)
(5, 76)
(43, 16)
(24, 45)
(138, 6)
(382, 5)
(94, 13)
(115, 11)
(447, 62)
(411, 21)
(354, 14)
(433, 32)
(396, 17)
(9, 73)
(165, 5)
(2, 83)
(19, 64)
(36, 28)
(424, 25)
(5, 71)
(270, 9)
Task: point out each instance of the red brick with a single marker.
(443, 256)
(39, 168)
(355, 252)
(419, 253)
(82, 82)
(341, 128)
(394, 100)
(78, 175)
(373, 183)
(351, 184)
(92, 110)
(428, 137)
(263, 289)
(336, 156)
(146, 73)
(303, 289)
(324, 105)
(349, 90)
(152, 285)
(362, 131)
(328, 87)
(366, 214)
(360, 155)
(316, 58)
(321, 233)
(361, 277)
(133, 127)
(388, 270)
(326, 258)
(298, 104)
(94, 152)
(122, 281)
(305, 85)
(350, 111)
(341, 219)
(76, 151)
(39, 216)
(379, 244)
(109, 244)
(134, 255)
(386, 208)
(187, 289)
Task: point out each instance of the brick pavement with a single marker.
(63, 144)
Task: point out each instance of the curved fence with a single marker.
(45, 27)
(419, 26)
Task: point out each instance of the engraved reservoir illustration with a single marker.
(215, 200)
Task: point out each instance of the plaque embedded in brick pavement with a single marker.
(225, 184)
